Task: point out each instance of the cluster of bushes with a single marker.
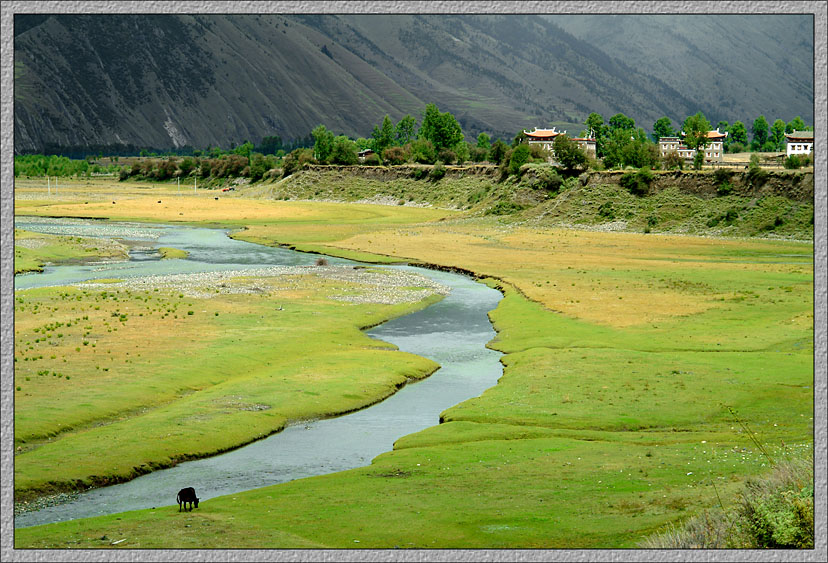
(798, 161)
(775, 511)
(637, 182)
(41, 165)
(226, 166)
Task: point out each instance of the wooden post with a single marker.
(49, 184)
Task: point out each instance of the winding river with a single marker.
(452, 332)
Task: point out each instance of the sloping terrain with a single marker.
(165, 81)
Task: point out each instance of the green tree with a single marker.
(483, 141)
(422, 151)
(777, 135)
(724, 127)
(441, 129)
(520, 156)
(738, 133)
(498, 151)
(795, 124)
(695, 129)
(621, 121)
(663, 127)
(383, 136)
(270, 144)
(594, 125)
(405, 130)
(362, 143)
(568, 152)
(322, 143)
(244, 149)
(760, 132)
(344, 151)
(520, 138)
(258, 166)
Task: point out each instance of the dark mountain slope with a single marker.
(200, 80)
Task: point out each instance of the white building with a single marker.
(713, 152)
(799, 142)
(546, 137)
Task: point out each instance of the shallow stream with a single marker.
(452, 332)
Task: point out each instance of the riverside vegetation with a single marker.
(646, 377)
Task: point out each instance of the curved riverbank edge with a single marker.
(59, 492)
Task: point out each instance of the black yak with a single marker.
(186, 495)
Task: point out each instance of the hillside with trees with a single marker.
(188, 82)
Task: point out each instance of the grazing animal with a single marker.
(186, 496)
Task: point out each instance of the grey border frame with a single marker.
(819, 9)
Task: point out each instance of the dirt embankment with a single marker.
(794, 185)
(416, 171)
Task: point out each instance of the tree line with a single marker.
(437, 138)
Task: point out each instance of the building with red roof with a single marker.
(546, 137)
(713, 152)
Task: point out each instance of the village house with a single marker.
(546, 137)
(713, 152)
(364, 153)
(799, 142)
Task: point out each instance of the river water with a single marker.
(452, 332)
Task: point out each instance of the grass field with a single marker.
(33, 250)
(642, 372)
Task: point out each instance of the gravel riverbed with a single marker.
(385, 286)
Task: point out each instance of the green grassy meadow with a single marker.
(33, 250)
(95, 368)
(645, 378)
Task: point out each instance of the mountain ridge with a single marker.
(202, 80)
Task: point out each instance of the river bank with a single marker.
(626, 356)
(65, 366)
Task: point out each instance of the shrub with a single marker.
(419, 173)
(775, 511)
(724, 189)
(478, 154)
(538, 153)
(372, 159)
(637, 183)
(422, 151)
(605, 211)
(437, 172)
(793, 162)
(447, 156)
(504, 208)
(296, 160)
(394, 155)
(545, 178)
(672, 160)
(344, 151)
(721, 175)
(757, 175)
(519, 156)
